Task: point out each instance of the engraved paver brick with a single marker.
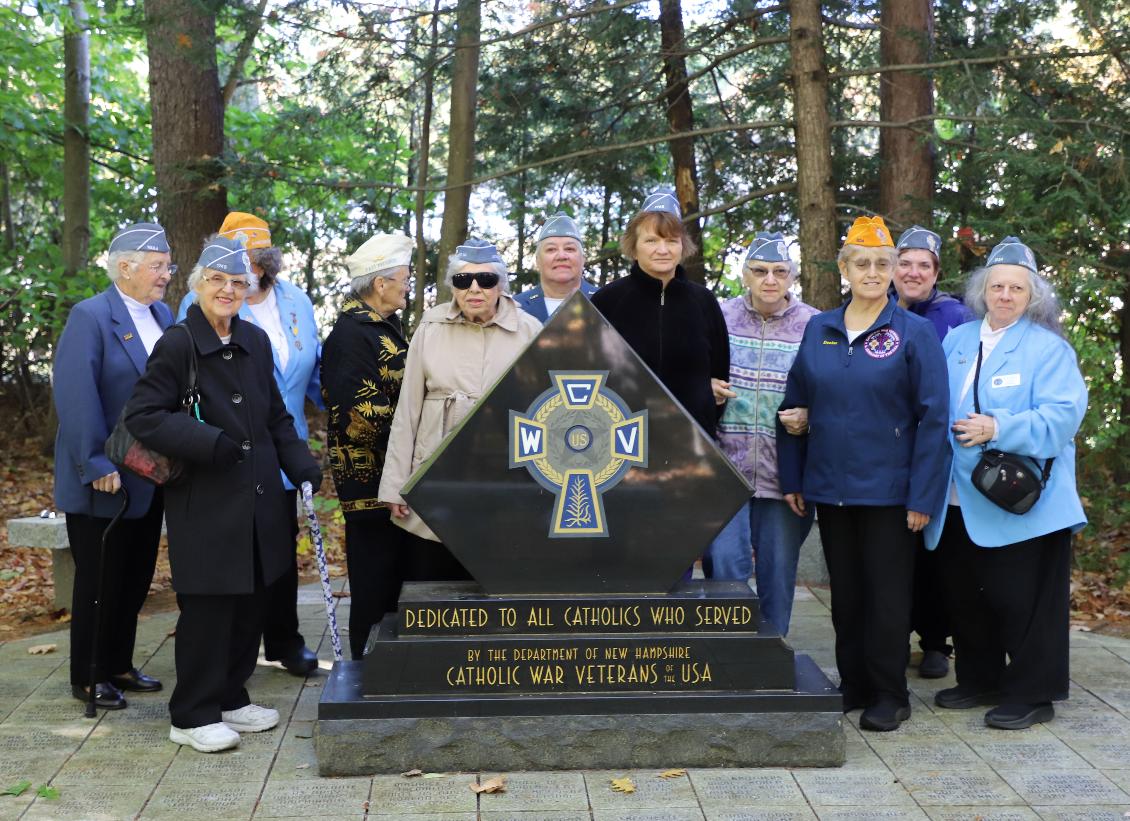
(306, 799)
(124, 767)
(982, 814)
(1012, 753)
(174, 802)
(1064, 787)
(90, 803)
(536, 790)
(231, 765)
(854, 789)
(925, 755)
(1103, 813)
(745, 788)
(517, 815)
(449, 794)
(651, 791)
(673, 814)
(798, 813)
(961, 788)
(869, 813)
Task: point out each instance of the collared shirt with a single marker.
(266, 315)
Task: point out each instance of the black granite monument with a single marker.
(578, 493)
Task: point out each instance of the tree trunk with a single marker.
(76, 142)
(680, 117)
(605, 236)
(422, 173)
(816, 202)
(906, 158)
(1122, 461)
(312, 255)
(188, 127)
(461, 136)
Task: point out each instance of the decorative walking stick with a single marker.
(323, 571)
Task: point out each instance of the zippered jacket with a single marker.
(877, 414)
(678, 332)
(761, 352)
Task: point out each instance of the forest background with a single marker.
(335, 119)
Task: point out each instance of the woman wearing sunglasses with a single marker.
(459, 350)
(228, 521)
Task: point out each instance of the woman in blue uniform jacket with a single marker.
(1007, 576)
(874, 461)
(285, 313)
(99, 357)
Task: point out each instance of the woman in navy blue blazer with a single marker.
(100, 355)
(874, 461)
(1008, 576)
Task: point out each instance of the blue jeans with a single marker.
(775, 534)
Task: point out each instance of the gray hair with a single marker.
(1043, 308)
(363, 285)
(116, 257)
(455, 264)
(850, 250)
(270, 260)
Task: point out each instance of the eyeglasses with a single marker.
(486, 280)
(158, 268)
(219, 281)
(759, 272)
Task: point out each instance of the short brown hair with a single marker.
(662, 223)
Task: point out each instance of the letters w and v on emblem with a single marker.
(578, 439)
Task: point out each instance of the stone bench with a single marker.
(48, 534)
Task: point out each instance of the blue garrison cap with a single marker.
(663, 199)
(478, 251)
(228, 256)
(1011, 251)
(918, 237)
(560, 225)
(141, 236)
(767, 247)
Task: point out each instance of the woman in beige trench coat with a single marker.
(459, 350)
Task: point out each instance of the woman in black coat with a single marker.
(228, 523)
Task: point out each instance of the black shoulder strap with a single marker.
(192, 392)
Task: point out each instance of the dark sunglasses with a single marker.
(486, 280)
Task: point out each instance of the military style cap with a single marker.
(918, 237)
(1011, 251)
(141, 236)
(228, 256)
(663, 199)
(768, 247)
(248, 228)
(379, 252)
(560, 225)
(870, 232)
(478, 251)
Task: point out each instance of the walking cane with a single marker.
(90, 705)
(323, 571)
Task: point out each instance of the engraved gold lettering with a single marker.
(668, 615)
(539, 617)
(591, 616)
(547, 674)
(427, 618)
(722, 615)
(695, 673)
(484, 676)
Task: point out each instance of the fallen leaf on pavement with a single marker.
(304, 766)
(491, 785)
(679, 773)
(412, 773)
(50, 793)
(435, 775)
(42, 649)
(624, 784)
(19, 788)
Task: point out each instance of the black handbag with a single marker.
(1008, 480)
(123, 449)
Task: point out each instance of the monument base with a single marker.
(366, 735)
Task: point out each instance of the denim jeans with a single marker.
(775, 534)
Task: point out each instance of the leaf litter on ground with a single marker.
(491, 785)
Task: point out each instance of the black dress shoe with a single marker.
(106, 695)
(301, 663)
(1019, 716)
(884, 716)
(137, 681)
(934, 664)
(962, 697)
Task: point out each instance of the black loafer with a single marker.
(1019, 716)
(106, 695)
(137, 681)
(302, 663)
(962, 697)
(884, 716)
(934, 664)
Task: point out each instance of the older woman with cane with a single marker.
(103, 350)
(874, 461)
(228, 520)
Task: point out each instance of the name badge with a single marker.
(1006, 380)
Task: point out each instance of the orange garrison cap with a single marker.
(247, 228)
(870, 232)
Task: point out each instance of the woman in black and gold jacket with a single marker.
(362, 366)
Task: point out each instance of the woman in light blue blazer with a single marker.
(1007, 575)
(100, 355)
(286, 314)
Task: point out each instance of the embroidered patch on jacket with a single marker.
(881, 343)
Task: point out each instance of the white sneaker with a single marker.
(211, 738)
(250, 719)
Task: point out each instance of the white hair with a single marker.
(1043, 307)
(363, 285)
(455, 264)
(116, 257)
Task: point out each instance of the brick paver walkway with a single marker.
(940, 764)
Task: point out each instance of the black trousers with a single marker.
(1011, 609)
(929, 615)
(281, 638)
(380, 558)
(870, 556)
(217, 647)
(131, 554)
